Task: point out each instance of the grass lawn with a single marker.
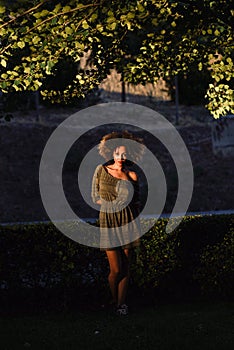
(169, 326)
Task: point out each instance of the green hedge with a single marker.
(195, 259)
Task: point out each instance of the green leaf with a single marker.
(49, 66)
(44, 13)
(3, 62)
(37, 14)
(15, 85)
(27, 70)
(130, 15)
(85, 25)
(140, 7)
(79, 46)
(200, 66)
(69, 30)
(54, 21)
(16, 82)
(112, 26)
(57, 8)
(93, 17)
(2, 9)
(99, 27)
(36, 40)
(111, 19)
(4, 85)
(21, 44)
(66, 8)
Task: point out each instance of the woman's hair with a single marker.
(134, 149)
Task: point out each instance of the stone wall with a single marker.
(113, 84)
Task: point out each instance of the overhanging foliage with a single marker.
(144, 40)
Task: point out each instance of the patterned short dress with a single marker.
(119, 222)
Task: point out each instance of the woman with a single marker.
(115, 188)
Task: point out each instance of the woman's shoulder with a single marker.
(98, 169)
(99, 166)
(132, 174)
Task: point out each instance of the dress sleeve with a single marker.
(95, 184)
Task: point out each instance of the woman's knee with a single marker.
(119, 264)
(119, 274)
(115, 274)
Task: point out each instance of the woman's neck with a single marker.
(117, 166)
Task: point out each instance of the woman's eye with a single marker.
(121, 155)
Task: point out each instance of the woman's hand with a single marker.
(99, 202)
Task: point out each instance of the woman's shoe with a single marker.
(122, 310)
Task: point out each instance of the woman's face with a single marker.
(120, 155)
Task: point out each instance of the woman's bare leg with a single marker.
(125, 271)
(114, 258)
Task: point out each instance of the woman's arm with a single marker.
(95, 185)
(133, 175)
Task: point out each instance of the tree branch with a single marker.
(23, 14)
(60, 14)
